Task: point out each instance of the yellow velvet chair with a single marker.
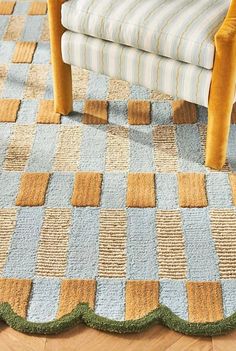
(221, 95)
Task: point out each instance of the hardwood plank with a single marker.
(225, 342)
(191, 343)
(11, 340)
(156, 338)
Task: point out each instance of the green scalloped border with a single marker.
(83, 314)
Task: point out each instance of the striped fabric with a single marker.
(186, 81)
(182, 30)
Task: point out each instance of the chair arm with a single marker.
(227, 31)
(222, 91)
(54, 14)
(232, 10)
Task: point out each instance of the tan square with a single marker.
(192, 190)
(9, 109)
(24, 52)
(141, 190)
(52, 249)
(112, 243)
(95, 112)
(36, 83)
(38, 8)
(184, 112)
(15, 27)
(204, 302)
(7, 7)
(223, 229)
(87, 189)
(46, 114)
(142, 297)
(232, 178)
(139, 112)
(118, 89)
(76, 291)
(33, 189)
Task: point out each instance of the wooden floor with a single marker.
(157, 338)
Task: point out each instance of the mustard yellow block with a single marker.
(62, 78)
(142, 297)
(37, 8)
(192, 190)
(184, 112)
(139, 112)
(16, 292)
(75, 291)
(204, 301)
(33, 189)
(222, 91)
(46, 114)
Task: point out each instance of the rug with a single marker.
(108, 216)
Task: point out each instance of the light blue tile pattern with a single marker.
(43, 149)
(32, 28)
(118, 113)
(23, 248)
(49, 87)
(9, 185)
(97, 86)
(139, 93)
(44, 299)
(114, 190)
(6, 51)
(200, 251)
(60, 189)
(27, 113)
(93, 143)
(189, 146)
(218, 190)
(42, 54)
(21, 8)
(110, 298)
(173, 295)
(3, 24)
(229, 293)
(141, 149)
(141, 244)
(166, 191)
(15, 82)
(83, 244)
(76, 116)
(161, 113)
(5, 131)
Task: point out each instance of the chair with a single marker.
(185, 48)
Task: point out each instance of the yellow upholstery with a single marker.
(62, 81)
(222, 91)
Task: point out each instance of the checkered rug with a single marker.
(108, 215)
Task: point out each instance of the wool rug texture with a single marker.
(107, 216)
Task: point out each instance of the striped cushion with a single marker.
(176, 78)
(182, 30)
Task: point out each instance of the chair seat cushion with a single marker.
(179, 29)
(183, 80)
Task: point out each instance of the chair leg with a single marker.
(219, 119)
(62, 78)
